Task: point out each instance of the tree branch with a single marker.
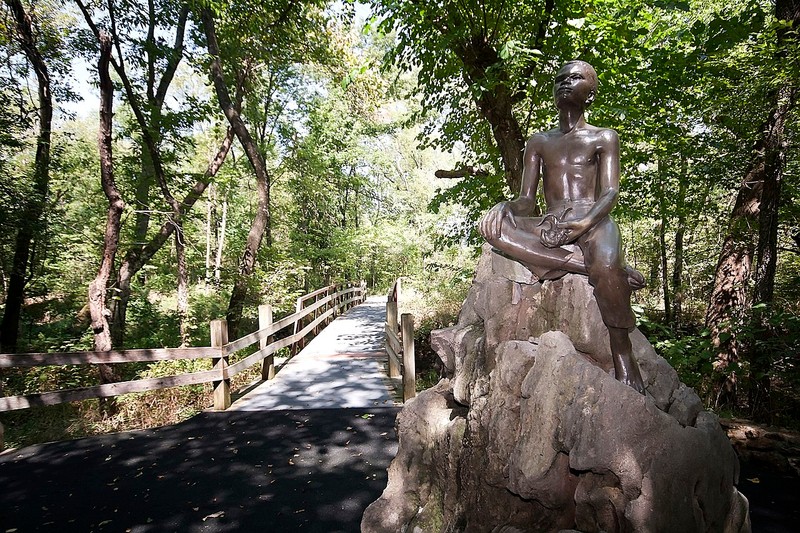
(462, 172)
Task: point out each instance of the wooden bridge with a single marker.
(304, 450)
(341, 355)
(342, 367)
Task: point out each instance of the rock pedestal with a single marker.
(531, 432)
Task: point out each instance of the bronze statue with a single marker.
(579, 167)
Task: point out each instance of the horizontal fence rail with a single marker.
(327, 303)
(400, 344)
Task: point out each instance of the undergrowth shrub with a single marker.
(767, 372)
(434, 300)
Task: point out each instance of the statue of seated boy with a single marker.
(578, 165)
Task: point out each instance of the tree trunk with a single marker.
(182, 306)
(662, 243)
(729, 294)
(97, 288)
(662, 247)
(677, 270)
(261, 220)
(767, 258)
(677, 275)
(759, 192)
(32, 214)
(495, 106)
(223, 227)
(210, 216)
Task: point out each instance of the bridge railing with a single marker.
(400, 344)
(327, 303)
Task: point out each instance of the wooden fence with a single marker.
(400, 344)
(309, 316)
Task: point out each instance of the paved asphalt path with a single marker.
(305, 452)
(774, 498)
(273, 471)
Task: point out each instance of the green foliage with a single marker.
(153, 323)
(769, 344)
(690, 353)
(42, 379)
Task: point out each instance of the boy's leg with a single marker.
(612, 289)
(524, 244)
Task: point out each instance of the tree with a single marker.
(33, 210)
(253, 36)
(754, 221)
(481, 63)
(98, 287)
(147, 67)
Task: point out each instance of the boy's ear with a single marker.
(590, 98)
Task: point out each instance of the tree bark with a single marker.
(677, 269)
(210, 216)
(767, 248)
(775, 158)
(662, 246)
(662, 243)
(261, 220)
(223, 228)
(729, 295)
(462, 172)
(32, 214)
(98, 287)
(182, 295)
(756, 207)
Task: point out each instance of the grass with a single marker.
(75, 420)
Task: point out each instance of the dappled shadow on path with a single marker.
(343, 367)
(301, 470)
(322, 383)
(359, 329)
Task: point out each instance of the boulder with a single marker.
(531, 432)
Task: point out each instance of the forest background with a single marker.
(231, 153)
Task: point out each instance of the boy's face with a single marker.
(573, 86)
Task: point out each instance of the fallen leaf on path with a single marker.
(753, 480)
(218, 514)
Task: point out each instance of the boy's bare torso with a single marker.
(570, 165)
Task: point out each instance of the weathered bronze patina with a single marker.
(578, 165)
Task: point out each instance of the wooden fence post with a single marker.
(222, 388)
(391, 321)
(297, 327)
(409, 367)
(335, 302)
(265, 321)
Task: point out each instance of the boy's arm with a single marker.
(524, 205)
(531, 172)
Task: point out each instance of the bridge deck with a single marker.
(343, 367)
